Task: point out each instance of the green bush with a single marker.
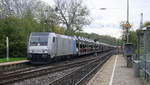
(18, 30)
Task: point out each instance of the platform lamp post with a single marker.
(7, 49)
(128, 47)
(139, 37)
(127, 26)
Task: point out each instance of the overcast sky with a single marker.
(106, 22)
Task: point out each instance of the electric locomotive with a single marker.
(44, 47)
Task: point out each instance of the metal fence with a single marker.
(144, 52)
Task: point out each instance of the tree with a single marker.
(19, 8)
(72, 14)
(133, 38)
(147, 24)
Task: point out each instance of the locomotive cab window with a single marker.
(38, 40)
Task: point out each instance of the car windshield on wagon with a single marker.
(39, 41)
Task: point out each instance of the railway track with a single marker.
(18, 75)
(79, 76)
(83, 80)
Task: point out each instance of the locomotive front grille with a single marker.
(39, 58)
(36, 57)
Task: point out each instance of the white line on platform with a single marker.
(112, 76)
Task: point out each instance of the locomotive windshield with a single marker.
(39, 41)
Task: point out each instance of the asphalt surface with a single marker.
(115, 72)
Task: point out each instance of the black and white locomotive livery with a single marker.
(46, 46)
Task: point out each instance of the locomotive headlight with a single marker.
(30, 51)
(44, 56)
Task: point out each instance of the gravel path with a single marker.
(122, 74)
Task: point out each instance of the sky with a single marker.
(107, 22)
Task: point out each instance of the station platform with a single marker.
(115, 72)
(13, 62)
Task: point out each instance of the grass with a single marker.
(3, 60)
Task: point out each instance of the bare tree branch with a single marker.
(72, 13)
